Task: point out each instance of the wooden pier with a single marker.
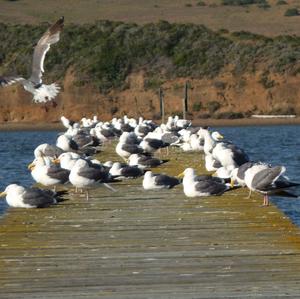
(138, 244)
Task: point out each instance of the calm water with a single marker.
(272, 144)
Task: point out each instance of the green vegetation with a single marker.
(105, 53)
(291, 12)
(264, 5)
(213, 106)
(243, 2)
(197, 106)
(281, 2)
(229, 115)
(266, 81)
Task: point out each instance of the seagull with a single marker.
(269, 180)
(86, 175)
(159, 181)
(41, 92)
(120, 171)
(49, 150)
(20, 197)
(145, 161)
(67, 160)
(127, 146)
(44, 172)
(201, 185)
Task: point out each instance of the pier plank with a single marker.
(138, 244)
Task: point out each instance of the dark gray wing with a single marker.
(193, 130)
(6, 81)
(156, 143)
(217, 164)
(243, 168)
(282, 183)
(58, 173)
(52, 151)
(73, 145)
(148, 161)
(131, 171)
(239, 156)
(132, 148)
(38, 197)
(127, 128)
(211, 187)
(94, 174)
(264, 179)
(202, 141)
(51, 36)
(170, 138)
(207, 177)
(144, 130)
(165, 180)
(83, 140)
(107, 133)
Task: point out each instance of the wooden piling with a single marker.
(150, 244)
(185, 101)
(162, 104)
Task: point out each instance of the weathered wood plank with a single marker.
(137, 244)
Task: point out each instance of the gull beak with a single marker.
(31, 166)
(2, 194)
(180, 175)
(231, 182)
(220, 136)
(56, 161)
(214, 174)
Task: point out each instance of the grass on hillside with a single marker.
(269, 20)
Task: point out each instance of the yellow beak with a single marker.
(214, 174)
(180, 175)
(2, 194)
(31, 166)
(220, 137)
(231, 182)
(56, 161)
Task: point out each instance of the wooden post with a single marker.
(185, 100)
(162, 104)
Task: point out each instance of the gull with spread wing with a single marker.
(41, 92)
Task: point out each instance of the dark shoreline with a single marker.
(54, 126)
(30, 126)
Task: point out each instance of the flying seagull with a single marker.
(41, 92)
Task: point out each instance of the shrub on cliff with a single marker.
(243, 2)
(105, 53)
(291, 12)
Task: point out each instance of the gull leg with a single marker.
(249, 195)
(76, 189)
(54, 188)
(87, 195)
(266, 200)
(126, 161)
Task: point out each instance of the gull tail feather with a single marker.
(110, 187)
(46, 93)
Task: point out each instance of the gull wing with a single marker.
(37, 197)
(51, 36)
(5, 81)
